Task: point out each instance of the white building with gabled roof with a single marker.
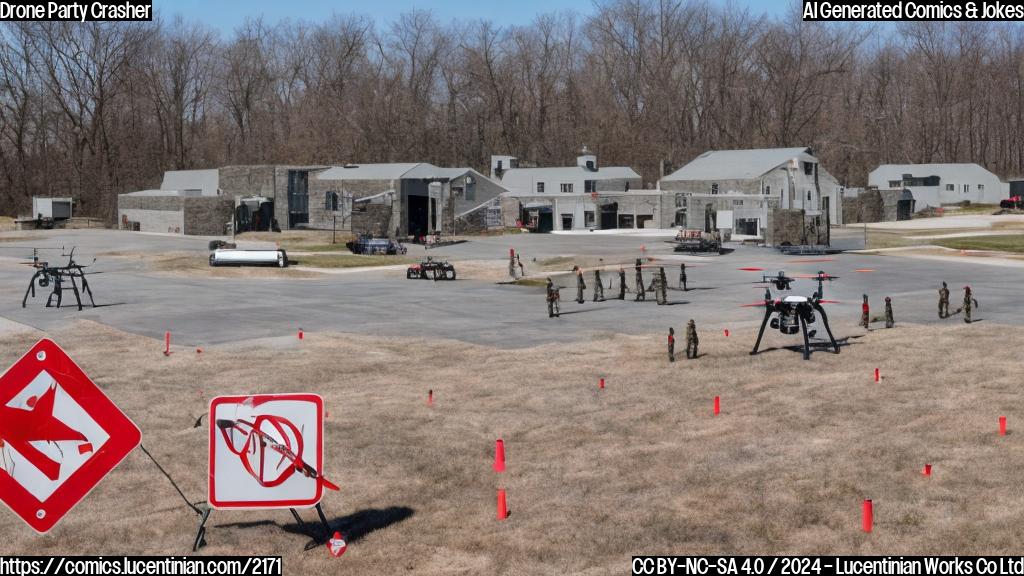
(736, 192)
(936, 184)
(580, 197)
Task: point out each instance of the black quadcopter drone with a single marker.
(794, 313)
(55, 277)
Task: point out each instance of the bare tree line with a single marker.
(92, 110)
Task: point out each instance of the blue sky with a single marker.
(225, 15)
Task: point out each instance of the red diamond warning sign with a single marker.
(59, 435)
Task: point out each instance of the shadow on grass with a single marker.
(353, 527)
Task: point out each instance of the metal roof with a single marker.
(188, 193)
(393, 171)
(399, 171)
(524, 178)
(206, 180)
(943, 171)
(738, 164)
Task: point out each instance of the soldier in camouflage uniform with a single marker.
(664, 286)
(640, 296)
(865, 313)
(691, 340)
(622, 283)
(889, 322)
(581, 285)
(552, 298)
(944, 301)
(682, 277)
(671, 345)
(968, 300)
(598, 287)
(659, 286)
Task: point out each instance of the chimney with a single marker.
(587, 160)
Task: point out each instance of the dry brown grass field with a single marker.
(593, 477)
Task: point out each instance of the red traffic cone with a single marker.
(868, 516)
(927, 470)
(877, 375)
(499, 455)
(726, 332)
(199, 350)
(718, 405)
(337, 545)
(1002, 425)
(300, 334)
(430, 397)
(601, 384)
(167, 343)
(502, 505)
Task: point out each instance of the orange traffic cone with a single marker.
(502, 505)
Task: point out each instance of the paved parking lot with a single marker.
(206, 311)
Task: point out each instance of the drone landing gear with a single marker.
(824, 322)
(807, 342)
(304, 527)
(760, 333)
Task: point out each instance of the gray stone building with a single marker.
(745, 193)
(580, 197)
(874, 205)
(407, 199)
(187, 202)
(410, 199)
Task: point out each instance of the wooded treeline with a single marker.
(92, 110)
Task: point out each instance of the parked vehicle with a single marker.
(430, 268)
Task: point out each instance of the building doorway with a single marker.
(566, 221)
(420, 212)
(609, 215)
(748, 226)
(298, 199)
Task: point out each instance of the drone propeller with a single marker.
(751, 269)
(816, 276)
(757, 304)
(829, 302)
(864, 270)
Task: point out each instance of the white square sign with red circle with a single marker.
(59, 435)
(259, 447)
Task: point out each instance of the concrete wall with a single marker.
(208, 215)
(153, 213)
(373, 219)
(193, 215)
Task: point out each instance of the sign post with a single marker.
(266, 452)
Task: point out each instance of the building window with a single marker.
(967, 188)
(981, 187)
(899, 183)
(737, 202)
(590, 186)
(949, 187)
(767, 190)
(540, 187)
(714, 188)
(808, 168)
(808, 195)
(331, 202)
(680, 201)
(567, 187)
